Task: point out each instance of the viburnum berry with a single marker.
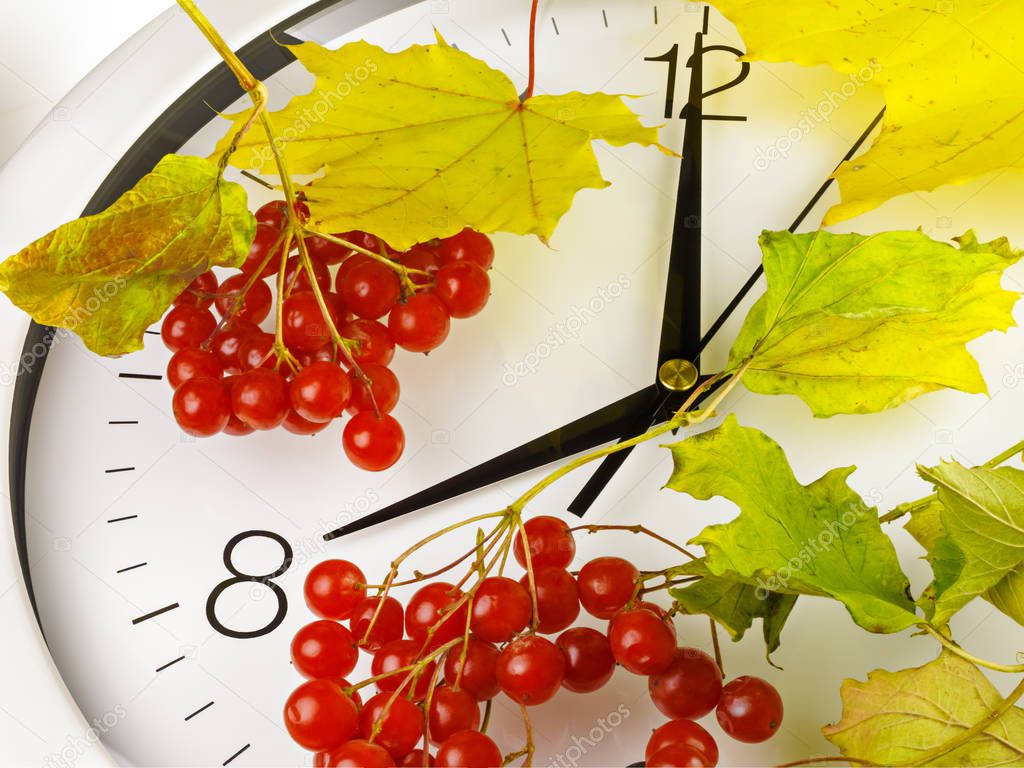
(320, 392)
(319, 716)
(678, 756)
(370, 289)
(303, 325)
(199, 293)
(384, 388)
(530, 670)
(297, 425)
(325, 252)
(606, 584)
(333, 588)
(373, 444)
(558, 599)
(468, 749)
(187, 326)
(476, 674)
(641, 641)
(750, 709)
(373, 341)
(468, 245)
(324, 649)
(260, 398)
(263, 245)
(227, 342)
(296, 278)
(689, 688)
(589, 662)
(463, 287)
(190, 363)
(360, 753)
(432, 607)
(683, 733)
(423, 257)
(501, 609)
(389, 625)
(254, 306)
(257, 351)
(274, 213)
(551, 543)
(451, 711)
(236, 427)
(394, 656)
(416, 759)
(420, 324)
(201, 406)
(392, 722)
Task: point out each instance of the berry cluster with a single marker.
(343, 304)
(453, 648)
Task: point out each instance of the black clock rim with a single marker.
(216, 90)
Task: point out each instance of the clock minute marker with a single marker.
(122, 519)
(154, 614)
(236, 754)
(122, 423)
(141, 376)
(116, 470)
(131, 568)
(170, 664)
(198, 711)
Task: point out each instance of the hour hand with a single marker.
(602, 426)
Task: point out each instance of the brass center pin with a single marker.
(678, 375)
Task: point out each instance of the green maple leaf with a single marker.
(432, 140)
(898, 717)
(734, 604)
(951, 73)
(858, 324)
(110, 276)
(974, 535)
(819, 539)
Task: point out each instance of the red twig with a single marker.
(533, 50)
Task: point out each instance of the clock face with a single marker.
(150, 550)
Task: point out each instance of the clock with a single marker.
(166, 573)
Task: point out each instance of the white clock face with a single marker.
(128, 520)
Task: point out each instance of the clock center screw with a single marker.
(678, 375)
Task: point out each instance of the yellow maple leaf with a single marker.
(952, 73)
(419, 144)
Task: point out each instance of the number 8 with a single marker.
(240, 578)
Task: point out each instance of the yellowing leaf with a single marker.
(419, 144)
(858, 324)
(952, 74)
(818, 539)
(110, 276)
(898, 717)
(980, 541)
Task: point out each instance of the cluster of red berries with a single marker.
(436, 660)
(227, 373)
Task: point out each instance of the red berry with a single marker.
(468, 749)
(383, 385)
(452, 711)
(333, 589)
(324, 649)
(297, 279)
(323, 355)
(678, 756)
(303, 325)
(641, 641)
(501, 609)
(373, 444)
(325, 252)
(319, 716)
(260, 398)
(262, 246)
(190, 363)
(227, 342)
(187, 326)
(257, 351)
(750, 709)
(255, 306)
(551, 543)
(423, 257)
(360, 754)
(468, 245)
(530, 670)
(432, 608)
(199, 293)
(297, 425)
(236, 427)
(589, 662)
(320, 392)
(478, 671)
(420, 324)
(396, 655)
(201, 406)
(347, 266)
(606, 585)
(274, 212)
(463, 287)
(683, 733)
(416, 759)
(689, 688)
(375, 344)
(370, 289)
(389, 625)
(558, 599)
(392, 722)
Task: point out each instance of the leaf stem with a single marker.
(952, 647)
(533, 51)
